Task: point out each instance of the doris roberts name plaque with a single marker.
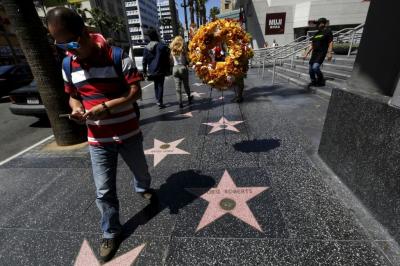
(227, 198)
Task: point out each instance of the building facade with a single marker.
(141, 15)
(114, 8)
(285, 20)
(227, 5)
(165, 17)
(9, 45)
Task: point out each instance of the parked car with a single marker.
(26, 101)
(13, 77)
(136, 53)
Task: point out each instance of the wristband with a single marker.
(106, 108)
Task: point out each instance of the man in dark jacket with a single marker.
(156, 64)
(322, 45)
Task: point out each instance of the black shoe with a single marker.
(147, 194)
(321, 83)
(312, 83)
(108, 248)
(161, 106)
(190, 99)
(181, 105)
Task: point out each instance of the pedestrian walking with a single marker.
(156, 64)
(102, 97)
(321, 46)
(274, 44)
(180, 71)
(238, 88)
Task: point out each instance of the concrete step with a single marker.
(328, 73)
(343, 60)
(330, 65)
(331, 81)
(325, 91)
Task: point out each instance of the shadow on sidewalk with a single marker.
(172, 195)
(198, 105)
(41, 123)
(273, 90)
(257, 145)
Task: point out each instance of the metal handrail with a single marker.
(352, 32)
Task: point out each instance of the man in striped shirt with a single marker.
(102, 97)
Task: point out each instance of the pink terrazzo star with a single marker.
(162, 149)
(222, 124)
(228, 198)
(86, 257)
(188, 114)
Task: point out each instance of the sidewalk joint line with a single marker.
(26, 150)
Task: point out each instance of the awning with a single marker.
(234, 14)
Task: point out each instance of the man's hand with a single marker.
(77, 115)
(97, 112)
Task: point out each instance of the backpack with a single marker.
(159, 64)
(117, 63)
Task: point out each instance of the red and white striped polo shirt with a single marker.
(98, 83)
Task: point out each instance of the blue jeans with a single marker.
(316, 71)
(104, 165)
(159, 88)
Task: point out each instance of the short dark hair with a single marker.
(322, 20)
(67, 18)
(153, 35)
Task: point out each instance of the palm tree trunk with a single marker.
(32, 37)
(204, 12)
(185, 14)
(197, 12)
(191, 10)
(174, 18)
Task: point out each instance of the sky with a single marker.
(209, 5)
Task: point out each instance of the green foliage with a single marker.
(214, 11)
(102, 20)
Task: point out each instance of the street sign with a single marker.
(275, 23)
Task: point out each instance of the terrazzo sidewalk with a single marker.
(236, 185)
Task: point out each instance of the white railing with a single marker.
(273, 55)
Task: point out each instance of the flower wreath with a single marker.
(237, 53)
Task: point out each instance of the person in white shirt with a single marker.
(180, 71)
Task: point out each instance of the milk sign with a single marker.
(275, 23)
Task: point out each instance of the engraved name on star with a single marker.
(187, 114)
(86, 257)
(227, 198)
(162, 149)
(222, 124)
